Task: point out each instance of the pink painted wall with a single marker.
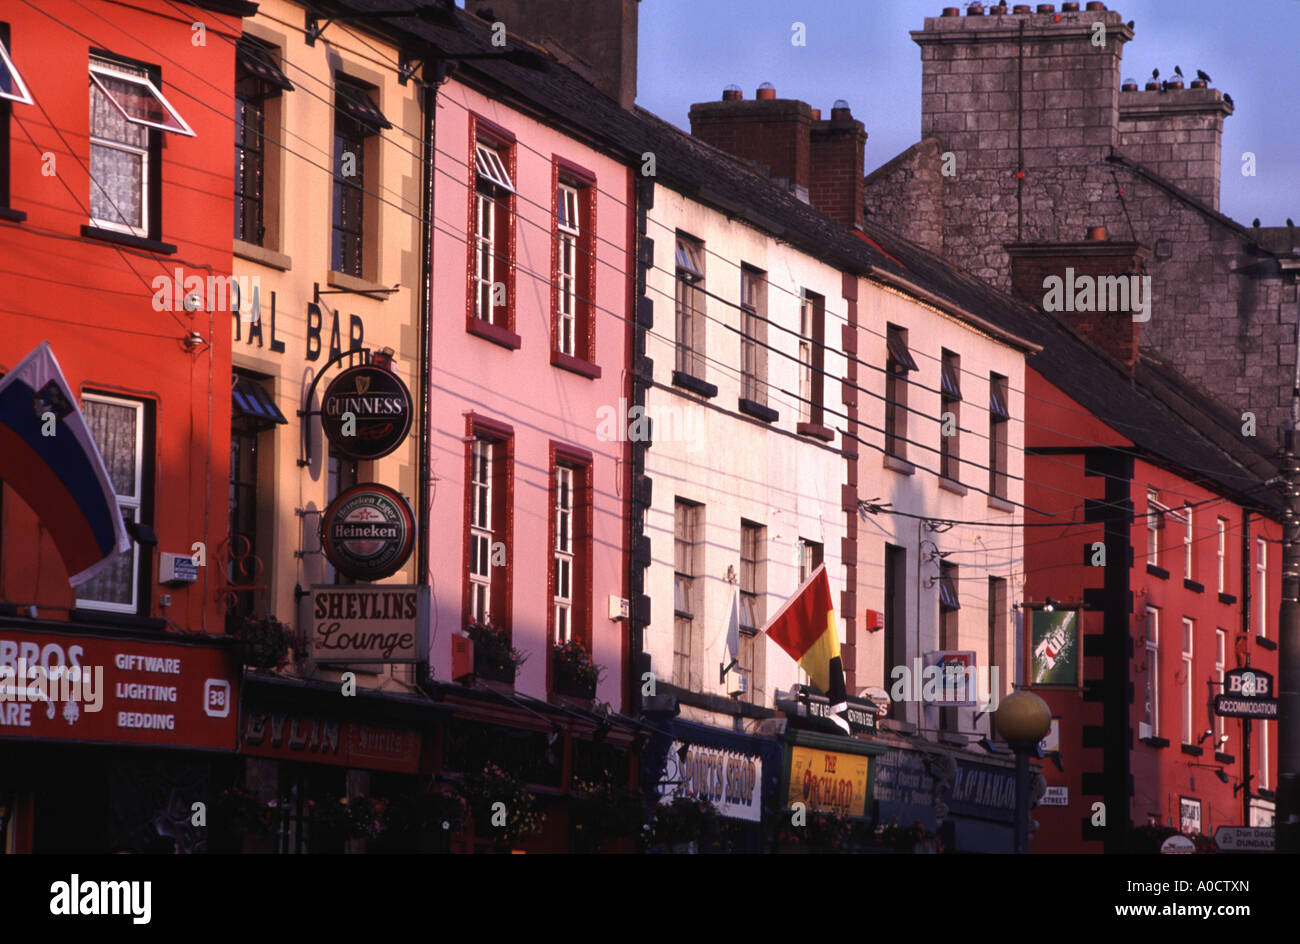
(544, 404)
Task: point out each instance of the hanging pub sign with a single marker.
(352, 624)
(366, 412)
(1247, 693)
(368, 531)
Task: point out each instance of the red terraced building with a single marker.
(114, 171)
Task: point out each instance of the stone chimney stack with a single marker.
(1178, 133)
(594, 37)
(820, 161)
(1100, 281)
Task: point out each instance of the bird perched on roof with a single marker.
(1155, 74)
(1227, 98)
(1178, 71)
(1288, 222)
(1255, 222)
(1129, 24)
(1202, 76)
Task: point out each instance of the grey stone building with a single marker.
(1031, 136)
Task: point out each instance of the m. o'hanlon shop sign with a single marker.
(83, 688)
(355, 624)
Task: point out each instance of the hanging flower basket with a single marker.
(493, 656)
(575, 674)
(915, 838)
(264, 642)
(358, 817)
(515, 818)
(602, 809)
(683, 821)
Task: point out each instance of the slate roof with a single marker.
(1160, 412)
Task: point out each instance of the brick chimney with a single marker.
(1086, 288)
(1178, 133)
(599, 35)
(820, 161)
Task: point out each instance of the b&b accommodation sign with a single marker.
(383, 624)
(1247, 693)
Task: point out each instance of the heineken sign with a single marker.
(368, 532)
(366, 412)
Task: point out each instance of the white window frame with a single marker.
(1261, 568)
(807, 313)
(131, 503)
(480, 529)
(691, 325)
(1188, 555)
(485, 236)
(24, 97)
(1156, 513)
(1223, 553)
(104, 67)
(490, 166)
(1220, 656)
(562, 588)
(1152, 707)
(752, 365)
(568, 223)
(1189, 632)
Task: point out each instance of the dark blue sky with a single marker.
(860, 50)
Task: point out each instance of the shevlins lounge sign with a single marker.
(382, 624)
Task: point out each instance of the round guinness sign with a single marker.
(381, 412)
(368, 531)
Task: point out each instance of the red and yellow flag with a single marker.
(805, 628)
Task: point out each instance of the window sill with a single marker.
(952, 485)
(1265, 642)
(757, 410)
(83, 615)
(575, 365)
(1227, 598)
(899, 465)
(12, 215)
(1155, 571)
(494, 333)
(1264, 793)
(360, 286)
(1158, 742)
(1001, 504)
(126, 239)
(1193, 750)
(1223, 758)
(694, 384)
(1193, 586)
(263, 256)
(815, 430)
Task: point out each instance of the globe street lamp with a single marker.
(1023, 720)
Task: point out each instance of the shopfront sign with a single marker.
(356, 624)
(861, 713)
(983, 790)
(125, 692)
(731, 781)
(303, 737)
(366, 412)
(368, 531)
(828, 781)
(1247, 693)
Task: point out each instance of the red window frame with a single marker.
(583, 359)
(481, 130)
(581, 462)
(502, 438)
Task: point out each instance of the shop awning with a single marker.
(258, 61)
(250, 400)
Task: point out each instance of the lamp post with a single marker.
(1023, 719)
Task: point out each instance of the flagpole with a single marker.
(768, 625)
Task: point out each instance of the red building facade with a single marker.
(115, 234)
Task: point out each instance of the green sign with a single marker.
(1054, 648)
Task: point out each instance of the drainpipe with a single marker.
(1245, 632)
(429, 96)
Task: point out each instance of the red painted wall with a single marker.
(93, 301)
(1056, 567)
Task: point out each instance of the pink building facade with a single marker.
(530, 343)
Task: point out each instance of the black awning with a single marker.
(951, 382)
(259, 61)
(250, 400)
(948, 593)
(996, 405)
(356, 104)
(898, 351)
